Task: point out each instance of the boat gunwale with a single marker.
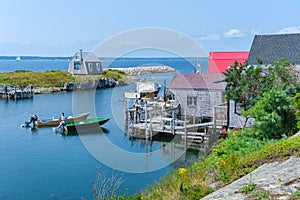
(98, 120)
(41, 123)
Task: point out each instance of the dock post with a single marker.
(151, 129)
(146, 121)
(173, 123)
(126, 115)
(5, 92)
(194, 117)
(15, 93)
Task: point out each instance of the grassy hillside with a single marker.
(229, 160)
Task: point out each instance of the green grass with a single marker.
(114, 74)
(53, 78)
(295, 196)
(38, 79)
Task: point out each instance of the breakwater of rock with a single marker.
(135, 71)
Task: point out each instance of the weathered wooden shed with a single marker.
(198, 93)
(85, 63)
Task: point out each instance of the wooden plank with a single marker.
(192, 133)
(194, 137)
(199, 125)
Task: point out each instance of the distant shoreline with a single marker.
(13, 57)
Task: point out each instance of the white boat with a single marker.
(18, 58)
(144, 89)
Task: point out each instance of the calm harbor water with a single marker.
(42, 164)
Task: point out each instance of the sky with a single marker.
(60, 28)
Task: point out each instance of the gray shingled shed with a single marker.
(198, 93)
(270, 48)
(84, 63)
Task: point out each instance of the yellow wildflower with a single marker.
(181, 171)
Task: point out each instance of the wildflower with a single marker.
(181, 171)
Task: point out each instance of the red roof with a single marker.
(198, 81)
(218, 62)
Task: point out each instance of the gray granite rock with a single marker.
(280, 179)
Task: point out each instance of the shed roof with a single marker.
(270, 48)
(89, 56)
(198, 81)
(218, 62)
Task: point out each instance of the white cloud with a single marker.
(233, 33)
(213, 37)
(291, 29)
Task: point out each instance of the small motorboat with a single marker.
(84, 125)
(56, 122)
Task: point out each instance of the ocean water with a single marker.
(182, 65)
(43, 164)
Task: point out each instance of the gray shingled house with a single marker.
(84, 63)
(198, 93)
(269, 48)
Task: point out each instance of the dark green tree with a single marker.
(266, 94)
(245, 84)
(274, 114)
(296, 101)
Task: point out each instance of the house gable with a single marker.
(85, 63)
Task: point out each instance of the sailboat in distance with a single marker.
(18, 58)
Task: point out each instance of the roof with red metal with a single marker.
(198, 81)
(218, 62)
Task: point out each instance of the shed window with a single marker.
(76, 65)
(90, 65)
(191, 101)
(98, 66)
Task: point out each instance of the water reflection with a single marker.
(173, 148)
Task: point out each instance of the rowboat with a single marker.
(84, 125)
(56, 122)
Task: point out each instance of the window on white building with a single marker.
(98, 66)
(76, 65)
(90, 65)
(191, 101)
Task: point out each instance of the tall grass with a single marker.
(231, 159)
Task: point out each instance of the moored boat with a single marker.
(86, 124)
(56, 122)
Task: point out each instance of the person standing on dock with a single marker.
(138, 113)
(62, 116)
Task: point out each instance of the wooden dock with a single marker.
(154, 120)
(14, 93)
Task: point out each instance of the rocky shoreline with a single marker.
(106, 82)
(135, 71)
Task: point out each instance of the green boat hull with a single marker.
(84, 125)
